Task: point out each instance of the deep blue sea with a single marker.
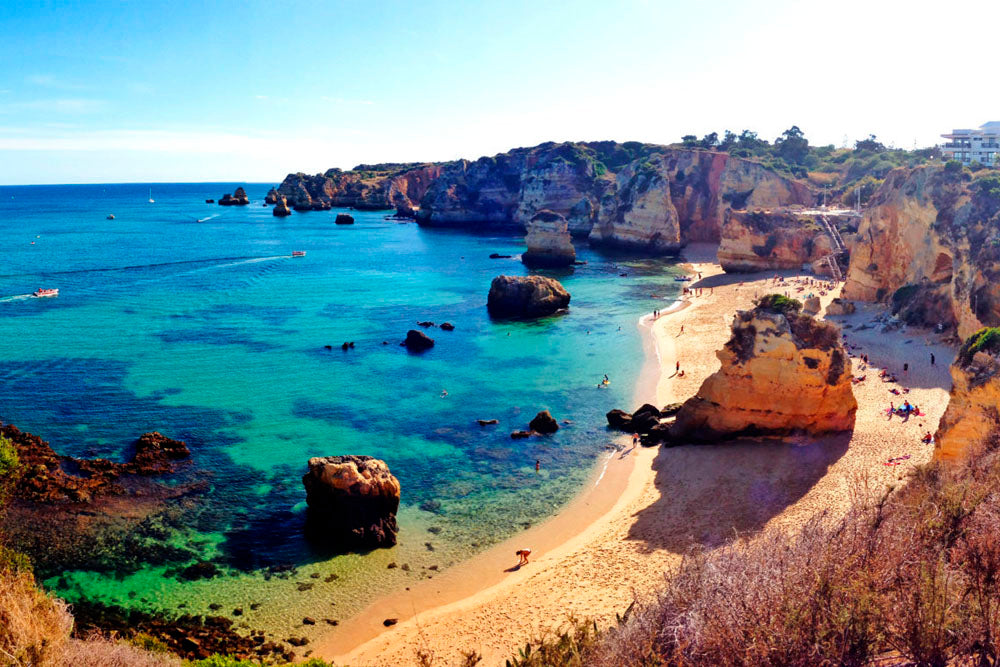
(210, 332)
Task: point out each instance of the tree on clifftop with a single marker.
(792, 145)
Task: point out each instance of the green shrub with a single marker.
(9, 460)
(14, 561)
(777, 303)
(986, 340)
(149, 643)
(953, 167)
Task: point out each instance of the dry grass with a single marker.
(34, 628)
(913, 574)
(101, 652)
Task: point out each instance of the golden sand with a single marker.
(620, 537)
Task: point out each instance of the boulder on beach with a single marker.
(344, 219)
(645, 419)
(418, 341)
(619, 420)
(811, 305)
(544, 422)
(352, 502)
(526, 296)
(841, 307)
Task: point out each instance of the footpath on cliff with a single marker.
(679, 498)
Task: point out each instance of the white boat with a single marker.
(298, 253)
(41, 293)
(151, 196)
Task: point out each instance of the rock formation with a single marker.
(548, 240)
(418, 341)
(782, 372)
(366, 187)
(344, 219)
(271, 197)
(526, 296)
(929, 245)
(641, 214)
(778, 239)
(352, 501)
(544, 423)
(973, 412)
(238, 198)
(841, 307)
(281, 209)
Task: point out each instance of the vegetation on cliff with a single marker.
(839, 170)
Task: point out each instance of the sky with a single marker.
(188, 91)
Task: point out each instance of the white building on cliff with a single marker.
(968, 146)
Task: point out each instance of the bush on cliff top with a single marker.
(778, 303)
(986, 340)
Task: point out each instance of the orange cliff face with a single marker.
(781, 374)
(973, 412)
(929, 245)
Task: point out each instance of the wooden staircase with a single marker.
(838, 248)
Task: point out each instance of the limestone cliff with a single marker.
(640, 214)
(782, 372)
(783, 238)
(380, 186)
(549, 241)
(973, 411)
(929, 245)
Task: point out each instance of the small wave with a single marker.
(16, 297)
(136, 267)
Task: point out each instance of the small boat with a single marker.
(41, 293)
(298, 253)
(151, 201)
(111, 216)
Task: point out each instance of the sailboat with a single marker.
(151, 196)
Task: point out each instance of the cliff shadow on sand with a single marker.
(710, 495)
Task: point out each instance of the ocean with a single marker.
(212, 333)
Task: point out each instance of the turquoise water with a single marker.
(212, 333)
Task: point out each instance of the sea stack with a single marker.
(238, 198)
(272, 197)
(549, 242)
(971, 415)
(526, 296)
(352, 501)
(281, 208)
(782, 373)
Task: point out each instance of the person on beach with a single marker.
(678, 369)
(682, 328)
(523, 553)
(932, 358)
(906, 368)
(635, 439)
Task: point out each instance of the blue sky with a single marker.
(191, 91)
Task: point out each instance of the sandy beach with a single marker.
(617, 540)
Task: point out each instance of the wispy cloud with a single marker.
(344, 100)
(49, 81)
(66, 105)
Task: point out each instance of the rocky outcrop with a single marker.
(641, 213)
(417, 341)
(544, 423)
(526, 296)
(973, 412)
(841, 307)
(352, 502)
(46, 477)
(548, 240)
(271, 197)
(344, 219)
(366, 187)
(281, 209)
(929, 246)
(782, 372)
(238, 198)
(778, 239)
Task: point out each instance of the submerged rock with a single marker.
(526, 296)
(548, 240)
(352, 501)
(344, 219)
(782, 372)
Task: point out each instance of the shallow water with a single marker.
(212, 333)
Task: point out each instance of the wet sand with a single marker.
(619, 539)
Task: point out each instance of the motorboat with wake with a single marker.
(41, 293)
(298, 253)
